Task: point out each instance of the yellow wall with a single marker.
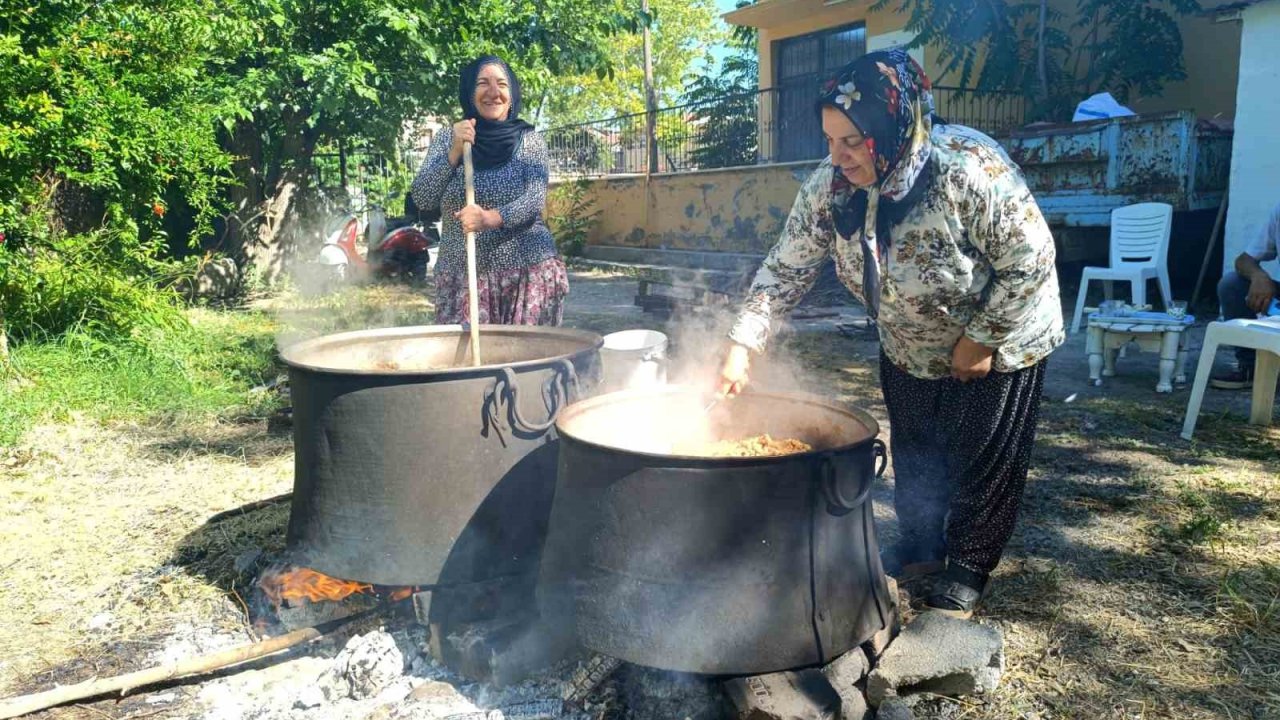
(1211, 50)
(1211, 56)
(730, 210)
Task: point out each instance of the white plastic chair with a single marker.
(1139, 252)
(1264, 336)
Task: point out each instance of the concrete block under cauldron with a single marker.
(728, 566)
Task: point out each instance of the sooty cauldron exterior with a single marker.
(414, 468)
(715, 565)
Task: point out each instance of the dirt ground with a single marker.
(1143, 580)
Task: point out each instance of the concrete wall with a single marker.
(730, 210)
(1255, 157)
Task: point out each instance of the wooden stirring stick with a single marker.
(468, 173)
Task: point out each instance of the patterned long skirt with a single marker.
(532, 295)
(961, 452)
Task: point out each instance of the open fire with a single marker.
(293, 585)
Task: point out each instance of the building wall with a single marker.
(1209, 51)
(1255, 158)
(729, 210)
(803, 17)
(809, 16)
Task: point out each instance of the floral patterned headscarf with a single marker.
(887, 96)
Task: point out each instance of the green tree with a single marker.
(683, 33)
(1131, 46)
(727, 105)
(306, 73)
(105, 98)
(1051, 57)
(107, 124)
(120, 115)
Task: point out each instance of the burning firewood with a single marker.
(305, 584)
(294, 585)
(589, 676)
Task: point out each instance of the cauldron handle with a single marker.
(560, 395)
(831, 481)
(572, 388)
(881, 452)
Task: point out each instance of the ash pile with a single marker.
(391, 668)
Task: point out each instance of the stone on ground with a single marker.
(894, 708)
(941, 655)
(844, 673)
(365, 666)
(854, 705)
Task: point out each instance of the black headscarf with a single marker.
(495, 141)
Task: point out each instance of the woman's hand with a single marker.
(733, 373)
(476, 219)
(464, 131)
(970, 361)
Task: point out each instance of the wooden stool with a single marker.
(1153, 332)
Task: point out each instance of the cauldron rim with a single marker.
(696, 461)
(292, 355)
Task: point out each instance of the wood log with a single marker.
(122, 684)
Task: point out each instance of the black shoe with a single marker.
(902, 562)
(958, 592)
(1241, 378)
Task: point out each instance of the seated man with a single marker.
(1246, 293)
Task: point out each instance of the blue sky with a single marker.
(723, 6)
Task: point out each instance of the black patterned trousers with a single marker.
(961, 452)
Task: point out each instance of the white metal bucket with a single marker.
(634, 359)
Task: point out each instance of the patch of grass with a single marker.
(111, 548)
(1202, 527)
(1192, 517)
(203, 368)
(206, 369)
(1252, 600)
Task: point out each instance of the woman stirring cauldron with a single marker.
(932, 227)
(521, 278)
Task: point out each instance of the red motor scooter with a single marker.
(399, 248)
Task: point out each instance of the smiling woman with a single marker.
(850, 149)
(522, 280)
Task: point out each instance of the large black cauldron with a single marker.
(715, 565)
(414, 468)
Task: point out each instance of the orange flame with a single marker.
(305, 584)
(296, 584)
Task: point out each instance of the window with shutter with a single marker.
(803, 63)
